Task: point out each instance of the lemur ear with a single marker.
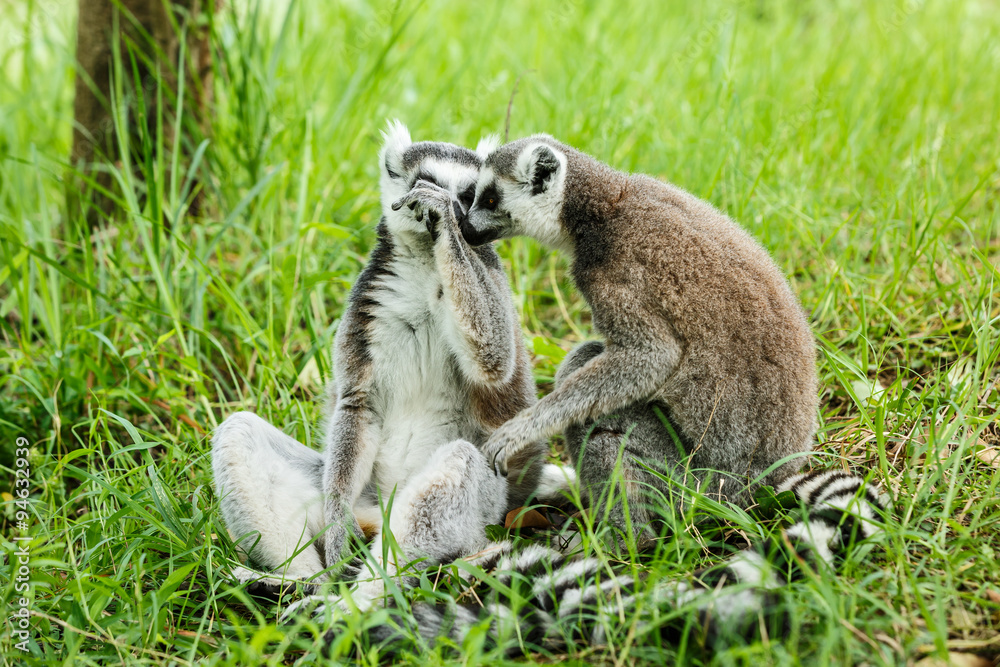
(395, 141)
(543, 164)
(487, 145)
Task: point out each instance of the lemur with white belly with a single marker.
(428, 361)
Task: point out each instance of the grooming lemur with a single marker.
(540, 598)
(428, 361)
(697, 321)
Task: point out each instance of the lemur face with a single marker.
(519, 193)
(402, 163)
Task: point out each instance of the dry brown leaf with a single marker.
(993, 595)
(955, 660)
(962, 619)
(522, 518)
(989, 455)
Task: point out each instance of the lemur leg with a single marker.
(441, 514)
(609, 381)
(270, 492)
(438, 517)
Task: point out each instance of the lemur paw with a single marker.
(497, 450)
(337, 538)
(430, 204)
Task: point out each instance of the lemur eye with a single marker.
(490, 199)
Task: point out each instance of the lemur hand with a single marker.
(342, 525)
(500, 446)
(432, 204)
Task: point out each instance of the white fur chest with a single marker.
(418, 395)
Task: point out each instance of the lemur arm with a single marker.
(613, 379)
(482, 330)
(351, 444)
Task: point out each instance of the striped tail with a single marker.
(542, 599)
(731, 597)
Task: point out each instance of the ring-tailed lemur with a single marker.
(428, 362)
(541, 599)
(696, 317)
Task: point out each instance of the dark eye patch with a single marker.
(489, 199)
(468, 195)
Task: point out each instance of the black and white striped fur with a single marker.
(545, 600)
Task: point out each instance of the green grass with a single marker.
(858, 141)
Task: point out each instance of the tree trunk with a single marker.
(149, 45)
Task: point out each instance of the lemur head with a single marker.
(520, 192)
(402, 163)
